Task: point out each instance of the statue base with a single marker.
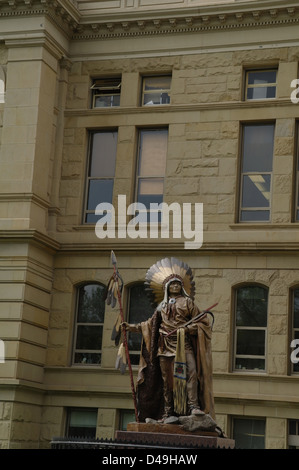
(172, 436)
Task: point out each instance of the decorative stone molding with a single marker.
(125, 22)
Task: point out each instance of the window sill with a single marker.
(264, 225)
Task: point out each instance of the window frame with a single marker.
(165, 90)
(75, 329)
(253, 173)
(90, 178)
(249, 328)
(105, 85)
(270, 84)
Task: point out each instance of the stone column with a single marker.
(26, 250)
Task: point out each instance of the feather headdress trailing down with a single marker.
(164, 271)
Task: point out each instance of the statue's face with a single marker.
(175, 287)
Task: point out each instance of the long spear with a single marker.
(111, 293)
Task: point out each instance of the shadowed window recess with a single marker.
(89, 325)
(249, 433)
(81, 422)
(250, 328)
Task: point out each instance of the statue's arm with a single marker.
(132, 327)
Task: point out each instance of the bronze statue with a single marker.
(175, 369)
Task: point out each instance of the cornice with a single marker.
(121, 22)
(187, 20)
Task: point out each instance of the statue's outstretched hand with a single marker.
(126, 325)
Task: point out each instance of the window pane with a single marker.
(153, 151)
(91, 307)
(251, 342)
(126, 417)
(99, 191)
(259, 93)
(252, 304)
(106, 101)
(156, 90)
(140, 309)
(249, 433)
(89, 337)
(261, 77)
(255, 216)
(87, 358)
(157, 83)
(258, 148)
(256, 191)
(103, 154)
(82, 423)
(250, 363)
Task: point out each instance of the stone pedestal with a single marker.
(171, 435)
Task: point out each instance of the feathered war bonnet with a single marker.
(162, 273)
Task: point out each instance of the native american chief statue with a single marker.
(175, 368)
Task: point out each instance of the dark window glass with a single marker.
(249, 433)
(251, 323)
(140, 309)
(89, 324)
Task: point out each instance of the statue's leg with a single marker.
(166, 364)
(192, 384)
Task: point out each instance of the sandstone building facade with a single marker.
(185, 102)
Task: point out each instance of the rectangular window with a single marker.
(249, 433)
(156, 90)
(106, 92)
(256, 172)
(100, 180)
(81, 423)
(293, 434)
(251, 328)
(295, 325)
(151, 167)
(89, 325)
(261, 84)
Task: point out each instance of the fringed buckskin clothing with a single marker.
(152, 390)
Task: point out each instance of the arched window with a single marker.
(139, 310)
(295, 328)
(90, 315)
(250, 327)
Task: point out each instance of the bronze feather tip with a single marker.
(113, 258)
